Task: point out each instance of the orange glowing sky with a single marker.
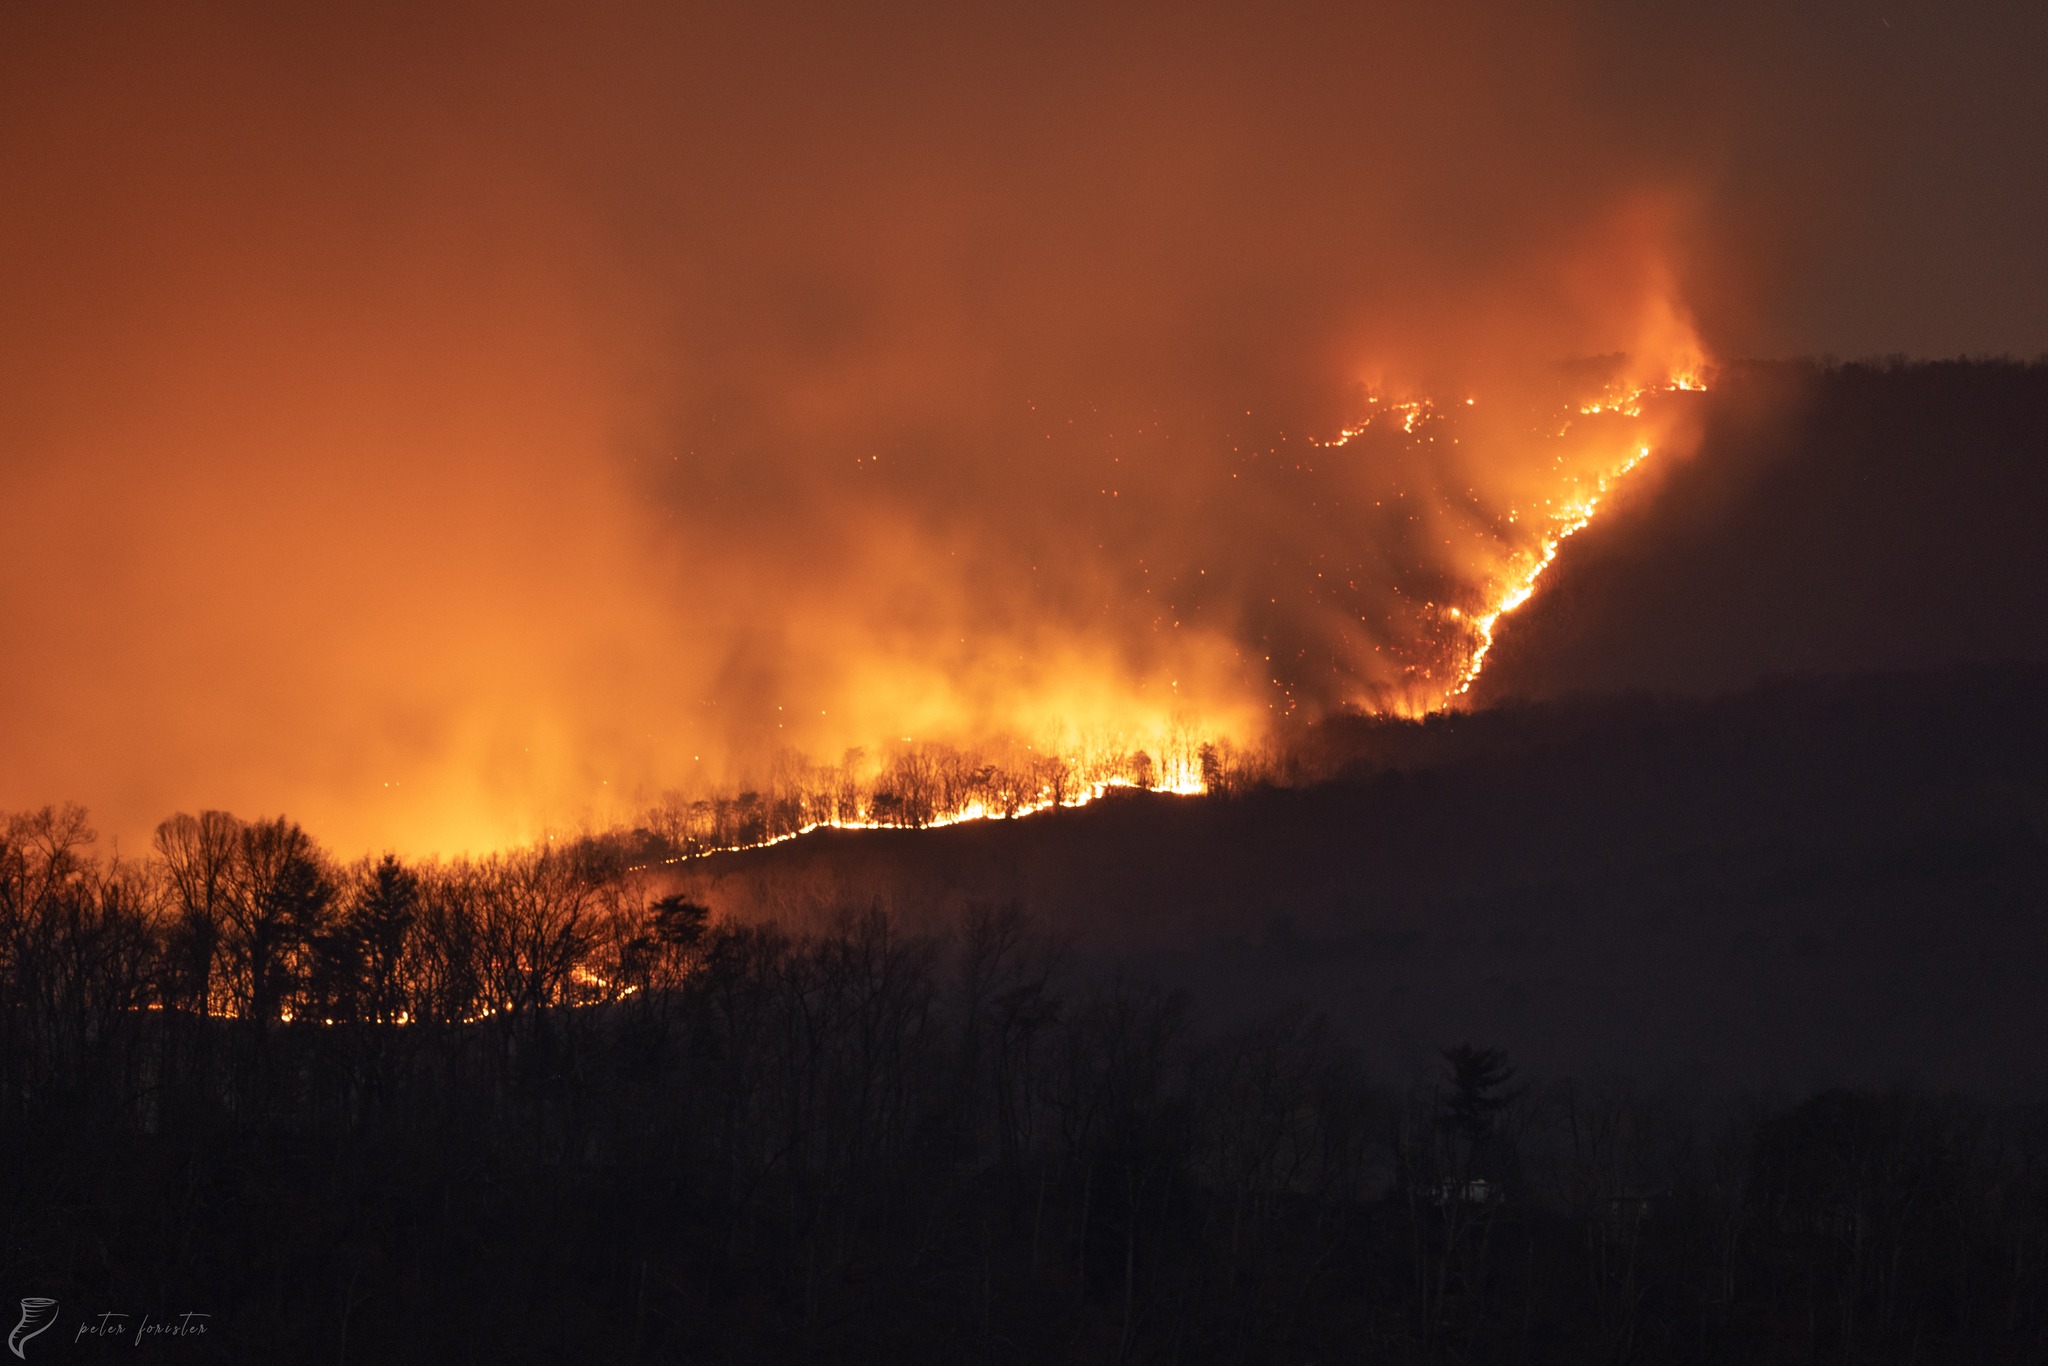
(439, 422)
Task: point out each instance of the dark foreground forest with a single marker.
(553, 1107)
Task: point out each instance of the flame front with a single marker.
(1567, 517)
(1583, 447)
(1568, 522)
(928, 786)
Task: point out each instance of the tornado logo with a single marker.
(37, 1314)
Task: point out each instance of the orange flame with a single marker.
(1513, 580)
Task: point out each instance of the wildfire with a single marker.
(1571, 520)
(1592, 444)
(1602, 457)
(1563, 520)
(610, 944)
(929, 788)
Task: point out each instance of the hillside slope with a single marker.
(1836, 520)
(1814, 881)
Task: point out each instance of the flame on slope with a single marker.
(1463, 636)
(1472, 630)
(1571, 520)
(1565, 520)
(1170, 777)
(1183, 767)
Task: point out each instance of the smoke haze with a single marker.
(438, 422)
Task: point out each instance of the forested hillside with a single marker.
(1628, 1030)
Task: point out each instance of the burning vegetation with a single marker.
(930, 785)
(1583, 446)
(251, 919)
(1578, 447)
(514, 455)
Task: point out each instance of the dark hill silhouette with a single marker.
(1820, 880)
(1833, 519)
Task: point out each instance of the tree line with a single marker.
(532, 1108)
(917, 785)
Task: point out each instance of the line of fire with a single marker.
(252, 920)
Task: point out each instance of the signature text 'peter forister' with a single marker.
(112, 1325)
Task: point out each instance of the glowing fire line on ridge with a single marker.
(1186, 784)
(1575, 517)
(1523, 586)
(1519, 585)
(1509, 593)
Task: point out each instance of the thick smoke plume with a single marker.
(442, 422)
